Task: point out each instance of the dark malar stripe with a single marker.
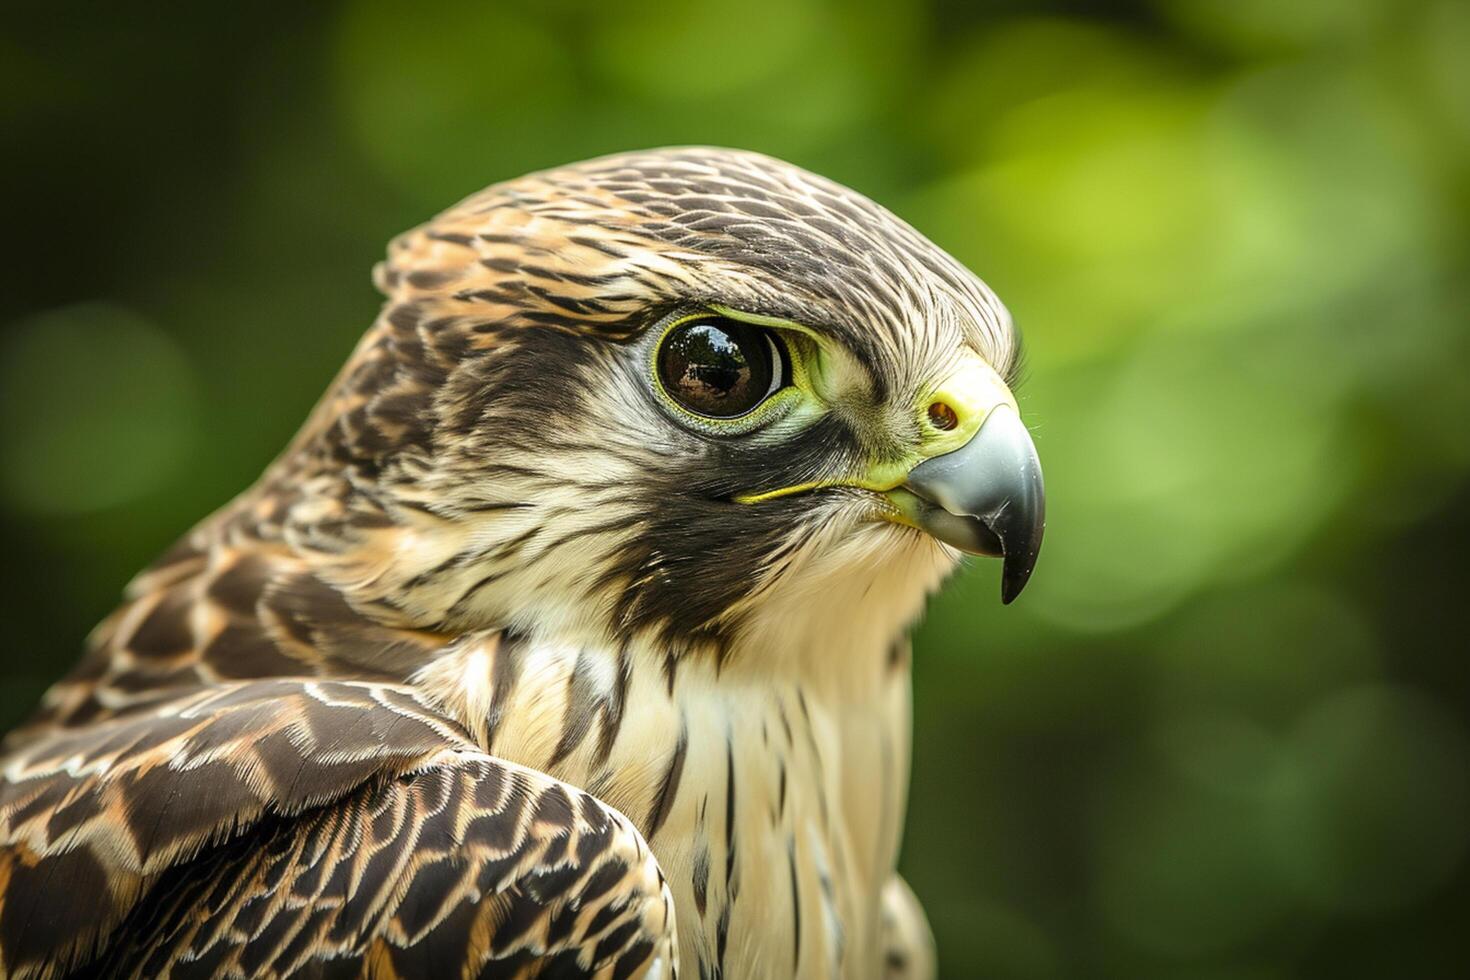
(670, 787)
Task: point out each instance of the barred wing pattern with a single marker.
(289, 827)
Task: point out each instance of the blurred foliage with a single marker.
(1224, 733)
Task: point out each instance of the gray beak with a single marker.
(986, 498)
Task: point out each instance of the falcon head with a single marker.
(689, 393)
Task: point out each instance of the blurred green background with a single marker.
(1224, 733)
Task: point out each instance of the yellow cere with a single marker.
(971, 392)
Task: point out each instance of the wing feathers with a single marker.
(277, 826)
(472, 868)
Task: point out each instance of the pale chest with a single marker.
(774, 807)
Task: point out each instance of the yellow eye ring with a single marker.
(724, 376)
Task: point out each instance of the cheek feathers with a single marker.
(635, 512)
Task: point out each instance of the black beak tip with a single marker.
(1020, 560)
(1015, 573)
(987, 498)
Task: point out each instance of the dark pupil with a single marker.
(716, 367)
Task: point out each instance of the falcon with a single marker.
(568, 636)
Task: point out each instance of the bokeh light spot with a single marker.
(456, 95)
(1183, 871)
(97, 407)
(1370, 808)
(1263, 653)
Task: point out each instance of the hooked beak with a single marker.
(985, 498)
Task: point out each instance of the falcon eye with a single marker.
(721, 368)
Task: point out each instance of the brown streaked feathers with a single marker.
(430, 850)
(409, 706)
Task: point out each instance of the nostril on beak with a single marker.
(991, 484)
